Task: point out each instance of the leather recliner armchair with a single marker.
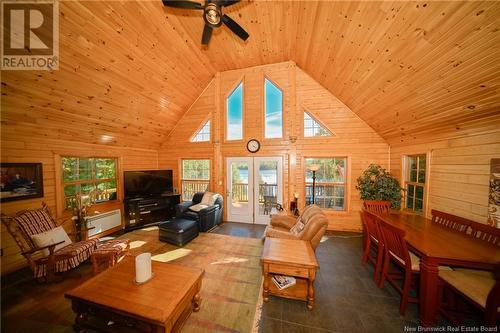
(314, 227)
(207, 217)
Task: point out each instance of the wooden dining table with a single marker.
(437, 245)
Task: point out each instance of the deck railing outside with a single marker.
(190, 187)
(327, 195)
(240, 192)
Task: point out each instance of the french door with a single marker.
(254, 188)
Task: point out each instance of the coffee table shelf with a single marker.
(293, 258)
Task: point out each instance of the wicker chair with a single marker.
(27, 223)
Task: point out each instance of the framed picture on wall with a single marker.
(21, 181)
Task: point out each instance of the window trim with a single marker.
(405, 172)
(316, 118)
(181, 173)
(60, 205)
(347, 190)
(283, 117)
(203, 123)
(241, 80)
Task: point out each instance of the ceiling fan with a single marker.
(212, 14)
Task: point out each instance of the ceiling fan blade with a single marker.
(182, 4)
(235, 27)
(207, 33)
(227, 3)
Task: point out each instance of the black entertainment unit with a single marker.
(147, 211)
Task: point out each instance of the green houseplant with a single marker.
(376, 183)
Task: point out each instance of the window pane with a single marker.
(421, 162)
(313, 128)
(418, 205)
(329, 186)
(106, 191)
(274, 110)
(235, 114)
(421, 176)
(412, 168)
(203, 134)
(419, 193)
(105, 168)
(69, 166)
(196, 169)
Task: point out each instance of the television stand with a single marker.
(141, 212)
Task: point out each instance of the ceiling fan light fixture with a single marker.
(213, 15)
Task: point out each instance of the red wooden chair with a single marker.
(454, 222)
(374, 246)
(486, 233)
(377, 206)
(396, 252)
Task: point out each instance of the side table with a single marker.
(293, 258)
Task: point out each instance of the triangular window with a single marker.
(313, 128)
(203, 135)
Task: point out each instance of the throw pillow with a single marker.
(297, 228)
(197, 207)
(52, 236)
(207, 197)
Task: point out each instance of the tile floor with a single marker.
(347, 299)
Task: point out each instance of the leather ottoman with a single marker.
(178, 231)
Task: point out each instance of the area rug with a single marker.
(232, 281)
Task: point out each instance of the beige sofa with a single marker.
(310, 225)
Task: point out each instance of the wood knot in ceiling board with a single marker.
(471, 107)
(479, 12)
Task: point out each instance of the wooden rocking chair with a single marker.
(27, 223)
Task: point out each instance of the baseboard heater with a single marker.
(103, 222)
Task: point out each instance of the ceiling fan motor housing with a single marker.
(212, 15)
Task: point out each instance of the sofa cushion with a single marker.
(52, 236)
(197, 207)
(208, 198)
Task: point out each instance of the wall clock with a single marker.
(253, 145)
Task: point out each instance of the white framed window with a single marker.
(415, 177)
(312, 128)
(203, 135)
(195, 177)
(234, 115)
(273, 97)
(330, 184)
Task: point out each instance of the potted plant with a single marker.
(376, 183)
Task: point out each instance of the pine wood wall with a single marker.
(352, 138)
(458, 181)
(17, 148)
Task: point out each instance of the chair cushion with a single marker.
(197, 207)
(415, 261)
(52, 236)
(476, 286)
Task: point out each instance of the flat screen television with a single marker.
(147, 183)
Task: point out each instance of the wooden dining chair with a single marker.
(405, 266)
(451, 221)
(486, 233)
(377, 206)
(480, 289)
(374, 246)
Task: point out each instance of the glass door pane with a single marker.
(240, 189)
(268, 185)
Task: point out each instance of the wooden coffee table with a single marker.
(293, 258)
(112, 301)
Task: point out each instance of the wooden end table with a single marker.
(293, 258)
(162, 304)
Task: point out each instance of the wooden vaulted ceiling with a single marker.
(129, 70)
